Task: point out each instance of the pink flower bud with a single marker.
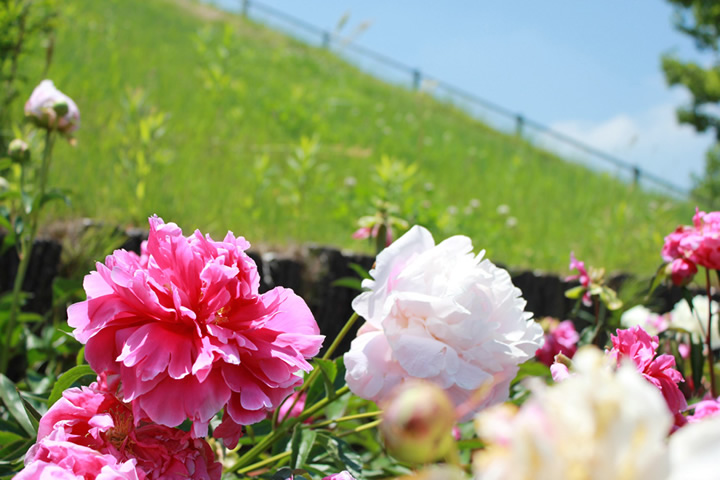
(417, 422)
(49, 108)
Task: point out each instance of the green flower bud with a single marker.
(19, 151)
(417, 422)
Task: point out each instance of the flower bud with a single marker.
(19, 151)
(417, 422)
(4, 185)
(49, 108)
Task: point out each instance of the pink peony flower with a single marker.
(561, 337)
(582, 276)
(62, 460)
(682, 271)
(439, 313)
(636, 344)
(293, 411)
(188, 333)
(49, 108)
(559, 372)
(705, 409)
(94, 418)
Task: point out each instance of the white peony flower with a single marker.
(695, 322)
(440, 313)
(694, 450)
(650, 321)
(598, 424)
(49, 108)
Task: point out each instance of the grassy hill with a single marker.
(224, 103)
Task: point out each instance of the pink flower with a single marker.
(559, 372)
(49, 108)
(344, 475)
(58, 459)
(582, 276)
(705, 409)
(293, 411)
(682, 271)
(367, 232)
(702, 245)
(94, 418)
(636, 344)
(188, 333)
(561, 337)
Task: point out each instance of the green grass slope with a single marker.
(239, 99)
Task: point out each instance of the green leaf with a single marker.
(14, 404)
(67, 380)
(303, 440)
(575, 292)
(348, 282)
(328, 369)
(80, 358)
(357, 268)
(55, 194)
(531, 369)
(6, 438)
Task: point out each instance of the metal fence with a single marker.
(494, 115)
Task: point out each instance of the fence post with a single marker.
(417, 78)
(326, 39)
(636, 175)
(245, 7)
(519, 124)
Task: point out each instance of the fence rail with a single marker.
(504, 119)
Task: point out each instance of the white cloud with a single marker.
(652, 140)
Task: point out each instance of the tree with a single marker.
(700, 19)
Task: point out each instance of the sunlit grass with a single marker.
(236, 91)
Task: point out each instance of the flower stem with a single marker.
(262, 463)
(331, 349)
(25, 253)
(361, 428)
(284, 427)
(711, 359)
(346, 418)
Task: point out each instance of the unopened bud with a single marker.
(61, 108)
(19, 151)
(417, 422)
(4, 185)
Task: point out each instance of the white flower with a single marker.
(49, 108)
(694, 450)
(598, 424)
(650, 321)
(440, 313)
(695, 322)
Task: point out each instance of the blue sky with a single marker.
(588, 69)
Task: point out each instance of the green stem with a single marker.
(284, 427)
(262, 463)
(361, 428)
(25, 253)
(711, 359)
(346, 418)
(331, 349)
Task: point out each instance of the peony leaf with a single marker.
(575, 292)
(67, 380)
(302, 442)
(14, 404)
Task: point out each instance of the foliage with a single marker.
(700, 19)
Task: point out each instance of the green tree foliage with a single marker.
(700, 19)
